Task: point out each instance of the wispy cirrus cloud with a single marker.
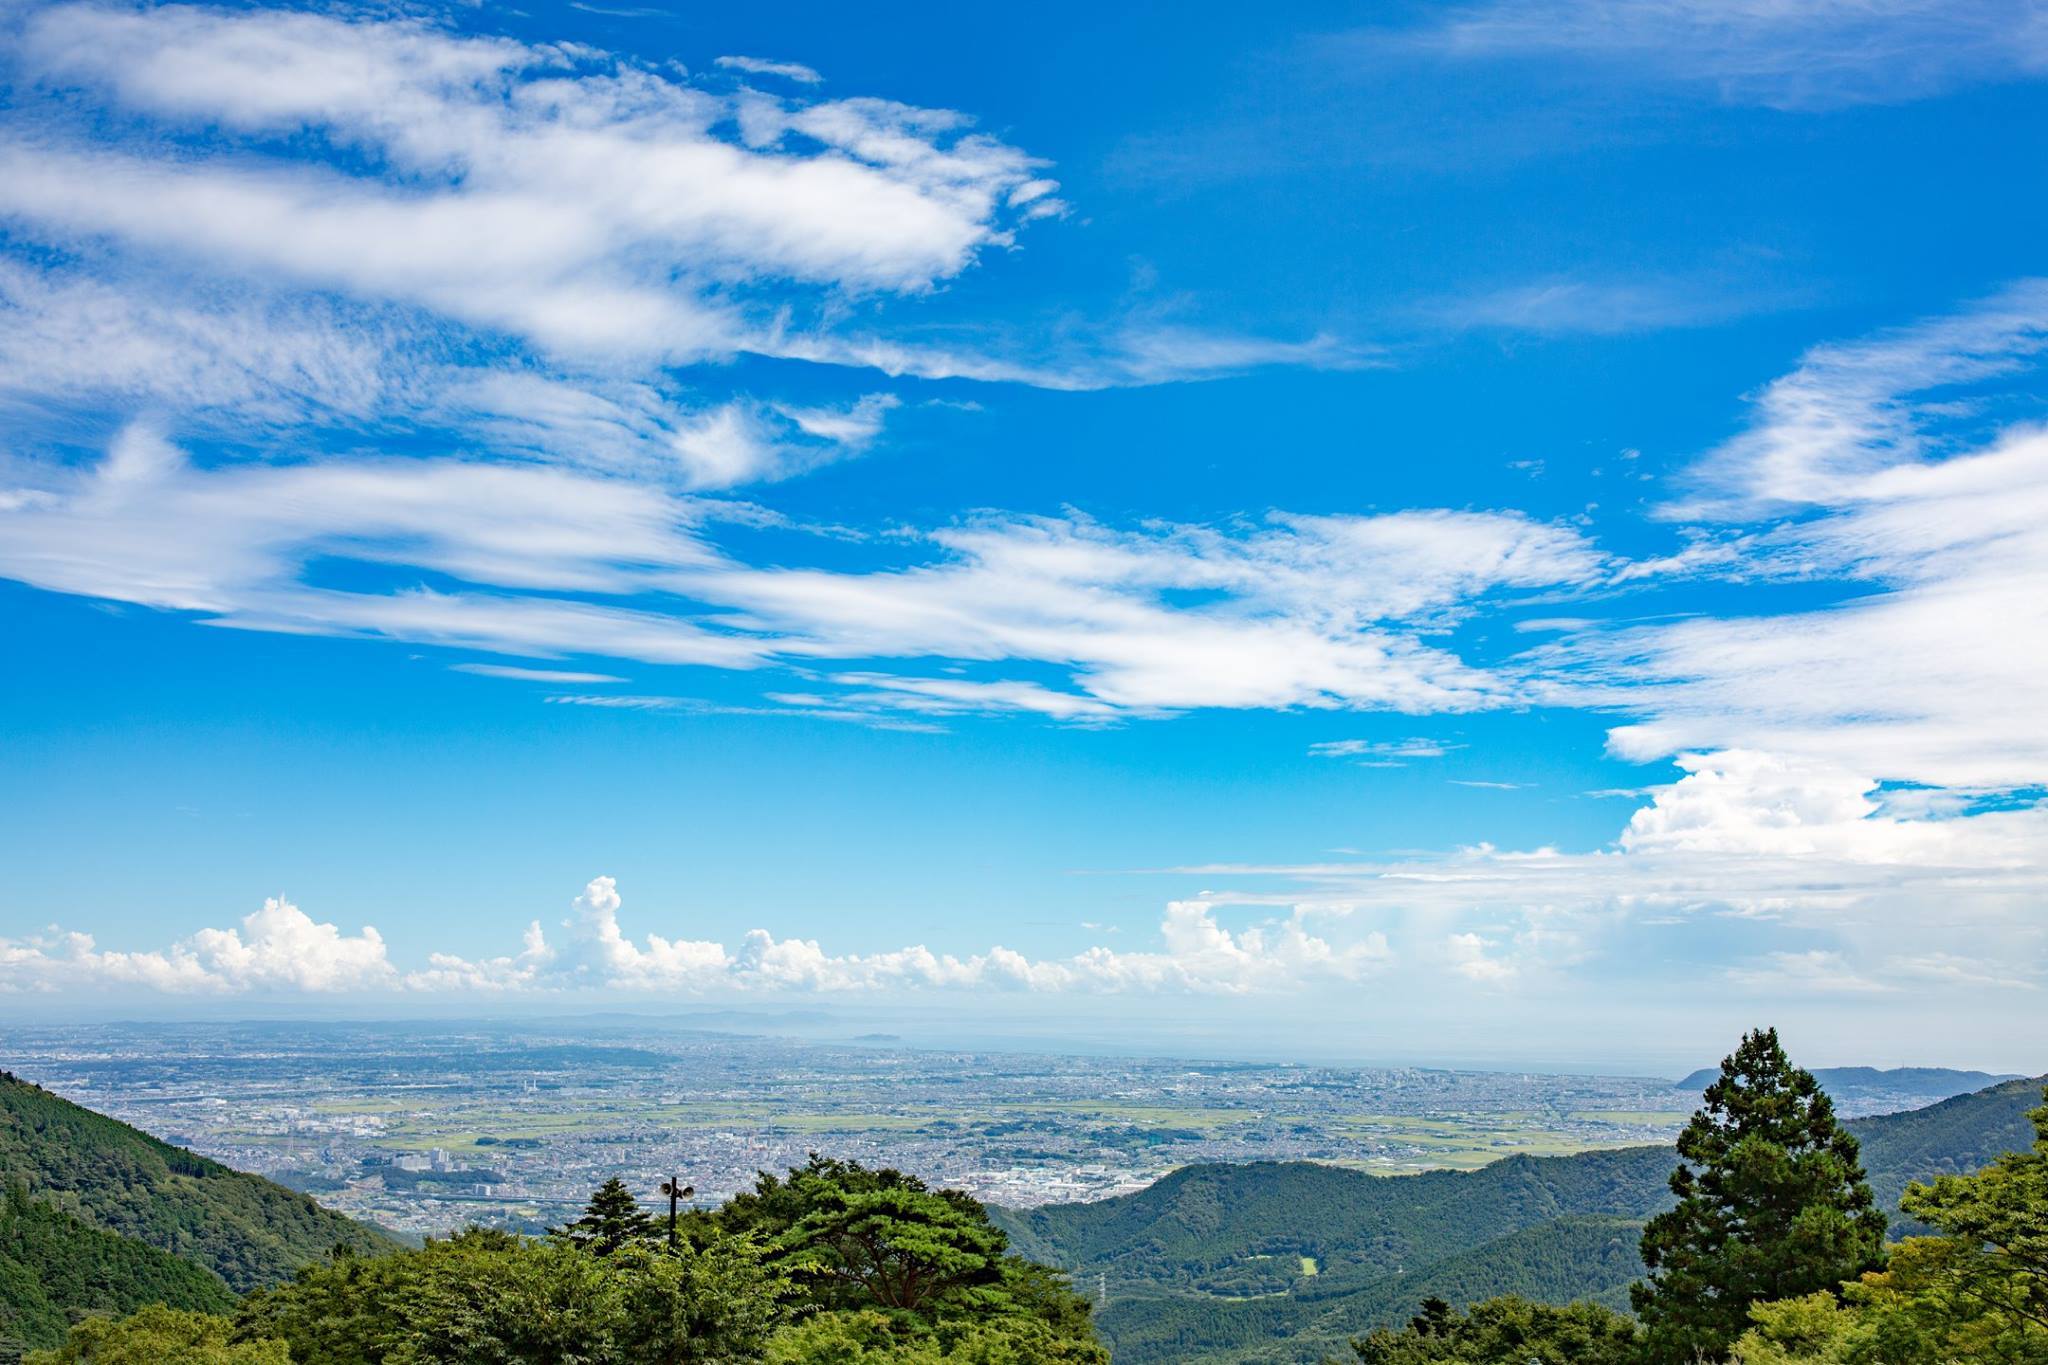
(1381, 753)
(1327, 612)
(573, 200)
(599, 211)
(1821, 54)
(1601, 307)
(762, 66)
(1891, 470)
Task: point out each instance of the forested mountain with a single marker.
(53, 1267)
(1566, 1258)
(1202, 1228)
(247, 1230)
(1208, 1263)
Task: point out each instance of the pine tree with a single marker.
(611, 1220)
(1771, 1205)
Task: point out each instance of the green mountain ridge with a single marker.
(246, 1230)
(54, 1267)
(1583, 1257)
(1204, 1265)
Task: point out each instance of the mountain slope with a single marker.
(245, 1229)
(1586, 1257)
(53, 1267)
(1206, 1263)
(1949, 1138)
(1195, 1228)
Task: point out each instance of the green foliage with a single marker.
(871, 1338)
(1812, 1330)
(853, 1238)
(1552, 1262)
(611, 1221)
(1199, 1228)
(160, 1336)
(1978, 1292)
(1772, 1204)
(897, 1248)
(1505, 1331)
(1997, 1221)
(1954, 1137)
(913, 1274)
(245, 1229)
(54, 1268)
(489, 1298)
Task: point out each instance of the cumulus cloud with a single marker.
(279, 951)
(1472, 957)
(1795, 849)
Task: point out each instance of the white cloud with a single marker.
(761, 66)
(1928, 676)
(1472, 957)
(1786, 54)
(1960, 970)
(277, 949)
(65, 336)
(1850, 412)
(1813, 972)
(1599, 307)
(1799, 850)
(1295, 612)
(585, 204)
(1373, 753)
(280, 950)
(546, 675)
(1105, 357)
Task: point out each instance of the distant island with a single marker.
(1928, 1083)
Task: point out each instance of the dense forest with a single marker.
(248, 1231)
(54, 1267)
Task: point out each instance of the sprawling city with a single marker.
(428, 1127)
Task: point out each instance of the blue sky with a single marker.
(1511, 530)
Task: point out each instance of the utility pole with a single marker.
(676, 1191)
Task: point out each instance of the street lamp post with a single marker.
(676, 1191)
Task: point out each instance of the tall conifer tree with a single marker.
(610, 1221)
(1771, 1205)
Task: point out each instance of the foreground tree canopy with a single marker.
(835, 1263)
